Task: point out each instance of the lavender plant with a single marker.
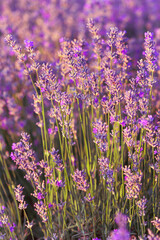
(97, 151)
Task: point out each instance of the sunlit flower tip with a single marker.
(48, 181)
(42, 89)
(40, 196)
(12, 156)
(56, 129)
(112, 119)
(123, 123)
(79, 178)
(61, 40)
(28, 44)
(141, 149)
(29, 224)
(94, 130)
(13, 146)
(141, 204)
(141, 94)
(96, 100)
(50, 205)
(156, 223)
(104, 98)
(59, 183)
(50, 131)
(89, 198)
(11, 227)
(2, 209)
(155, 152)
(143, 122)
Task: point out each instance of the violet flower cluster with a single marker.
(133, 183)
(79, 177)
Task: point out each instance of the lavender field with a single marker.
(80, 120)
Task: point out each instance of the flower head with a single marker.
(149, 46)
(156, 223)
(19, 197)
(79, 177)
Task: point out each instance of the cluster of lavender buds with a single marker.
(133, 182)
(56, 158)
(156, 223)
(151, 236)
(29, 48)
(5, 221)
(100, 134)
(57, 183)
(131, 106)
(79, 177)
(150, 54)
(15, 47)
(47, 83)
(24, 157)
(19, 197)
(41, 209)
(141, 204)
(106, 172)
(3, 216)
(89, 198)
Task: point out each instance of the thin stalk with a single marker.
(25, 214)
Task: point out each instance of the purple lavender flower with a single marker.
(156, 223)
(24, 157)
(106, 172)
(48, 83)
(113, 82)
(89, 198)
(19, 197)
(133, 183)
(50, 131)
(57, 159)
(50, 205)
(151, 236)
(16, 48)
(28, 44)
(41, 209)
(4, 219)
(79, 177)
(150, 53)
(141, 206)
(100, 134)
(121, 220)
(131, 106)
(29, 224)
(11, 227)
(121, 233)
(127, 134)
(143, 122)
(38, 195)
(2, 208)
(57, 183)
